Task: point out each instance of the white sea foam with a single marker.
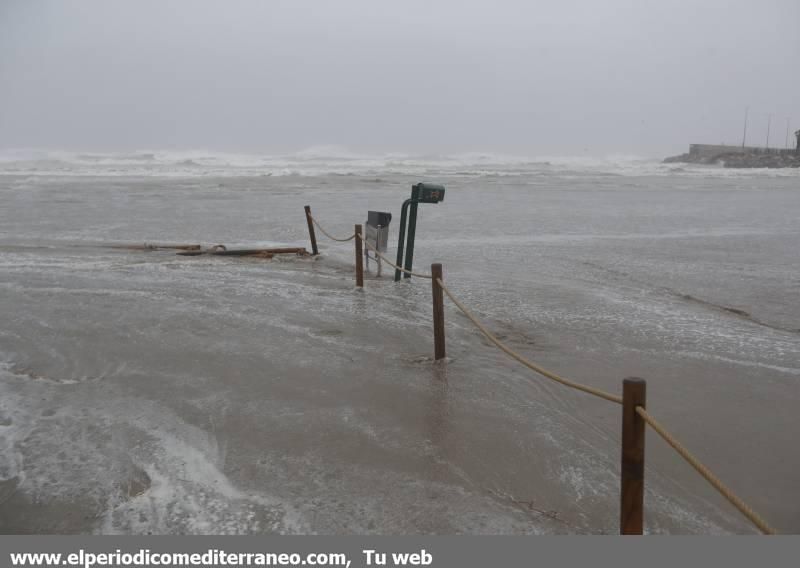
(335, 160)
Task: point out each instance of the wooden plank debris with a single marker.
(220, 250)
(149, 247)
(216, 250)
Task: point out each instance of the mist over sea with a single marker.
(337, 160)
(144, 392)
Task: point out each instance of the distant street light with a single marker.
(744, 136)
(769, 123)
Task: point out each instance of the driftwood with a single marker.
(147, 246)
(220, 250)
(217, 250)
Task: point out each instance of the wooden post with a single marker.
(359, 259)
(311, 232)
(438, 312)
(634, 393)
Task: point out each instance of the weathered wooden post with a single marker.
(438, 312)
(634, 393)
(359, 258)
(311, 232)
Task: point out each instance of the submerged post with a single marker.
(359, 258)
(634, 393)
(438, 312)
(402, 239)
(311, 232)
(412, 230)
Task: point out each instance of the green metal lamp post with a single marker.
(420, 193)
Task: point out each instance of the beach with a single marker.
(144, 392)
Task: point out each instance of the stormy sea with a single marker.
(146, 392)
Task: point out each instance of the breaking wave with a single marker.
(336, 160)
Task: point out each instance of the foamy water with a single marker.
(334, 160)
(146, 392)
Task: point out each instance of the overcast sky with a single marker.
(541, 78)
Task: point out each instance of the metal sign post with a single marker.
(377, 234)
(420, 193)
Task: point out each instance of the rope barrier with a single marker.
(327, 234)
(514, 355)
(390, 263)
(376, 251)
(706, 473)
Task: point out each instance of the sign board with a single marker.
(376, 233)
(430, 192)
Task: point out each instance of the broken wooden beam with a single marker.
(261, 253)
(147, 246)
(218, 250)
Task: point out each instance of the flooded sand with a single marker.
(144, 392)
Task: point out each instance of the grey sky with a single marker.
(548, 77)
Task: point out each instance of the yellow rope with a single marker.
(706, 473)
(327, 234)
(351, 237)
(532, 366)
(737, 502)
(390, 263)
